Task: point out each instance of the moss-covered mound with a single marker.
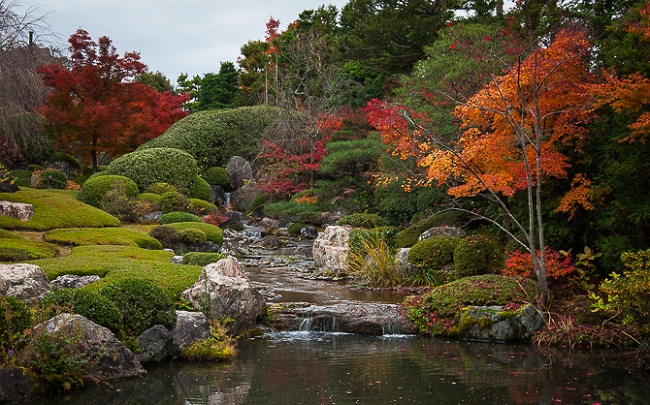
(102, 236)
(435, 312)
(214, 136)
(55, 210)
(213, 233)
(19, 249)
(115, 263)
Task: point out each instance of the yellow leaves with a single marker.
(579, 196)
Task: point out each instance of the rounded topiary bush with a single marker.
(178, 216)
(15, 317)
(96, 187)
(167, 236)
(201, 207)
(363, 220)
(149, 166)
(142, 303)
(151, 198)
(161, 188)
(201, 189)
(89, 304)
(52, 178)
(174, 201)
(214, 233)
(202, 258)
(192, 236)
(217, 176)
(433, 253)
(478, 254)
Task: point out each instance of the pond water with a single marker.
(320, 368)
(329, 368)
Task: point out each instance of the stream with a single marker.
(327, 368)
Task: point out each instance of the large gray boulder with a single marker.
(496, 324)
(107, 358)
(243, 198)
(240, 172)
(72, 281)
(156, 344)
(190, 327)
(224, 289)
(15, 386)
(21, 211)
(26, 282)
(331, 249)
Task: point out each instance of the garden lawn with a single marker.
(115, 263)
(55, 210)
(102, 236)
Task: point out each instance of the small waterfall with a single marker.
(319, 324)
(388, 328)
(252, 231)
(227, 198)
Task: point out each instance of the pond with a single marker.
(330, 368)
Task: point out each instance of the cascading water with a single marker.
(319, 324)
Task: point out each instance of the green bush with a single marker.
(478, 254)
(88, 304)
(214, 233)
(18, 249)
(118, 203)
(152, 199)
(148, 166)
(178, 216)
(174, 201)
(96, 187)
(161, 188)
(142, 303)
(202, 258)
(214, 136)
(294, 228)
(15, 317)
(433, 254)
(435, 312)
(166, 235)
(409, 236)
(201, 189)
(52, 178)
(54, 210)
(201, 207)
(192, 236)
(217, 176)
(102, 236)
(363, 221)
(23, 177)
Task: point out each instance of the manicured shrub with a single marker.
(174, 201)
(127, 209)
(152, 199)
(102, 236)
(52, 178)
(55, 209)
(435, 312)
(15, 317)
(166, 235)
(192, 236)
(433, 254)
(214, 136)
(201, 207)
(202, 258)
(161, 188)
(178, 216)
(142, 303)
(478, 254)
(17, 249)
(149, 166)
(89, 304)
(214, 233)
(217, 176)
(201, 189)
(96, 187)
(363, 220)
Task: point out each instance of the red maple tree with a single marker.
(97, 106)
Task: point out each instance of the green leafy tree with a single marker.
(219, 90)
(156, 80)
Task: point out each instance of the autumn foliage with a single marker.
(97, 106)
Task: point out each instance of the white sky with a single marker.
(172, 36)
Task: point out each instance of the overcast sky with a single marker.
(173, 36)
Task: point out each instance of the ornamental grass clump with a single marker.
(219, 346)
(372, 260)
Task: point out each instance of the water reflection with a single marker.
(324, 368)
